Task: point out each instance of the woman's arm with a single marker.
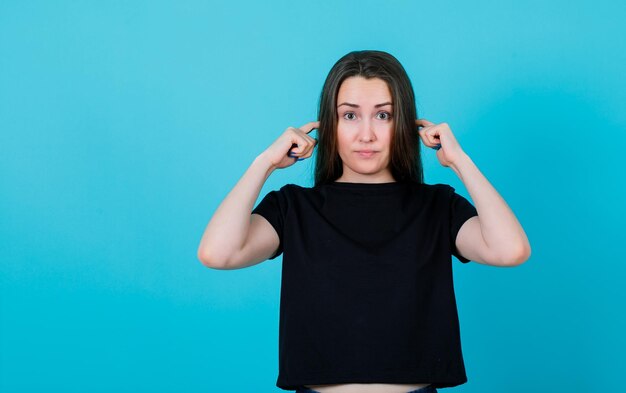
(501, 232)
(235, 238)
(495, 237)
(227, 230)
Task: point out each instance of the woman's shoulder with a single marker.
(290, 190)
(292, 187)
(437, 186)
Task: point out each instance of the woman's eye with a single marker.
(387, 114)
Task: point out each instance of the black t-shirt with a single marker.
(367, 293)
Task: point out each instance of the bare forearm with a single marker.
(501, 230)
(227, 230)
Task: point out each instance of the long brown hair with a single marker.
(405, 158)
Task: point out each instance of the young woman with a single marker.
(367, 299)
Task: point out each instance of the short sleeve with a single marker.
(461, 210)
(273, 207)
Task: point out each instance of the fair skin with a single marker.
(365, 122)
(234, 238)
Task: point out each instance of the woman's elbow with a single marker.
(516, 258)
(210, 260)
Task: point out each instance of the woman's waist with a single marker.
(366, 388)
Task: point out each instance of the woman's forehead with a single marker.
(361, 92)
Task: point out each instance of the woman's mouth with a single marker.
(366, 153)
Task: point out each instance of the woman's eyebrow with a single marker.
(356, 106)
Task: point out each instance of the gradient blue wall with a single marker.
(123, 124)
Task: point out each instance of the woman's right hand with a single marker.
(293, 144)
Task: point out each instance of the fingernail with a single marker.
(300, 159)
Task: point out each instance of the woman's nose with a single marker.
(366, 133)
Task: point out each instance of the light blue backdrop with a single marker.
(123, 124)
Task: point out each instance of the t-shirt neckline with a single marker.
(373, 186)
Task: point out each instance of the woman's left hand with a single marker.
(440, 137)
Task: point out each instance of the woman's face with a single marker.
(364, 130)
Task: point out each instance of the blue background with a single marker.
(124, 124)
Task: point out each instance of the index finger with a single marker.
(308, 127)
(423, 122)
